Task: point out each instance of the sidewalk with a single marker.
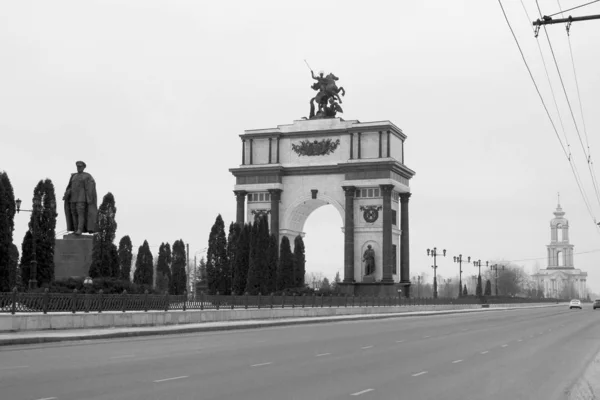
(47, 336)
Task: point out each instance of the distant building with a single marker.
(560, 279)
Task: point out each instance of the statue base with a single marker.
(377, 289)
(73, 256)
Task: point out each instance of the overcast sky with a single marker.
(153, 95)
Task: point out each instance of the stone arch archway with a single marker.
(289, 171)
(297, 212)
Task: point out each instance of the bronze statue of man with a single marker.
(369, 259)
(81, 209)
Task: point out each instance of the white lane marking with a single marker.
(520, 340)
(456, 361)
(485, 352)
(504, 345)
(420, 373)
(123, 356)
(399, 341)
(261, 364)
(323, 354)
(366, 347)
(425, 337)
(171, 379)
(362, 392)
(15, 367)
(48, 398)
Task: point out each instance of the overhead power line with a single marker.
(533, 80)
(574, 8)
(571, 164)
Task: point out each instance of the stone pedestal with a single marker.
(73, 256)
(378, 289)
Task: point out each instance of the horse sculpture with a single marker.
(327, 97)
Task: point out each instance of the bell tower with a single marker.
(560, 251)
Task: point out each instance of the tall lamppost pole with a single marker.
(34, 211)
(433, 253)
(478, 265)
(459, 260)
(495, 268)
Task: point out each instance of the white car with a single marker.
(575, 304)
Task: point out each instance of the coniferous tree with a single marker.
(202, 270)
(216, 256)
(144, 269)
(178, 284)
(335, 286)
(13, 267)
(163, 267)
(229, 271)
(465, 292)
(125, 254)
(45, 229)
(285, 269)
(488, 288)
(6, 229)
(479, 289)
(26, 258)
(299, 262)
(241, 260)
(325, 285)
(104, 263)
(258, 268)
(272, 261)
(262, 255)
(254, 269)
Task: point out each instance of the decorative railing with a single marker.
(19, 302)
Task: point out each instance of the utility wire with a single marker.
(589, 155)
(533, 80)
(548, 113)
(543, 258)
(574, 120)
(574, 8)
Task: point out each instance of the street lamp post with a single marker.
(478, 265)
(459, 260)
(433, 253)
(495, 268)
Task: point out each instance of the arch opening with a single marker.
(320, 223)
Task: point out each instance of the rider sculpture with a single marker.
(327, 97)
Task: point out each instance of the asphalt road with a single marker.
(516, 354)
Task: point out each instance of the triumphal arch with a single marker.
(289, 171)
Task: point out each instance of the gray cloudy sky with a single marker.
(153, 95)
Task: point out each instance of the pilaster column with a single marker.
(270, 149)
(240, 196)
(404, 240)
(275, 198)
(350, 192)
(243, 151)
(386, 192)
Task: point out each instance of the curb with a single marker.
(587, 386)
(168, 330)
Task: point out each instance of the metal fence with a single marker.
(19, 302)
